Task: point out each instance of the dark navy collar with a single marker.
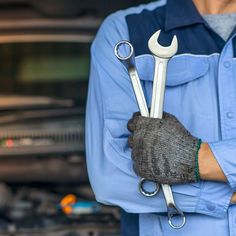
(233, 34)
(180, 13)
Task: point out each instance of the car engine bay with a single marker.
(44, 70)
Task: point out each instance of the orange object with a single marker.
(67, 202)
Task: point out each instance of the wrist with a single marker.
(209, 168)
(203, 160)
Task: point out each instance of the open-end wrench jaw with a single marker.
(163, 52)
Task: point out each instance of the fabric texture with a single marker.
(222, 24)
(163, 150)
(200, 93)
(129, 224)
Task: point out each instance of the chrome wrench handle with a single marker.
(172, 209)
(129, 62)
(137, 87)
(158, 91)
(157, 104)
(162, 55)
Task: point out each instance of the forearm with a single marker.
(208, 166)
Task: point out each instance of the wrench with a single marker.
(162, 55)
(129, 62)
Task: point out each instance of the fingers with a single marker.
(169, 116)
(136, 114)
(131, 141)
(131, 125)
(166, 115)
(136, 170)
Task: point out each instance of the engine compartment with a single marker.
(44, 70)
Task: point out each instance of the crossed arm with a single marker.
(108, 157)
(209, 168)
(208, 165)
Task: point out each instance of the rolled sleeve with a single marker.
(225, 154)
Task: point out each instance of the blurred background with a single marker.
(44, 69)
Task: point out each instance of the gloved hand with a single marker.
(163, 150)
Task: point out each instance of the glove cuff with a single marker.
(197, 174)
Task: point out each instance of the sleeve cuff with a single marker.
(225, 154)
(214, 199)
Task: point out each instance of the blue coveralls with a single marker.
(200, 92)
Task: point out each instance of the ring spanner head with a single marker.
(160, 51)
(128, 57)
(174, 213)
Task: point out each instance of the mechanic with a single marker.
(194, 146)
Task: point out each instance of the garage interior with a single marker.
(44, 71)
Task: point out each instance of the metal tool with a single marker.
(162, 55)
(128, 60)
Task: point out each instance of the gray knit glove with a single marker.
(163, 150)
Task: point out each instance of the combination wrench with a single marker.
(162, 56)
(128, 60)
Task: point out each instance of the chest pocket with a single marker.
(181, 69)
(189, 83)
